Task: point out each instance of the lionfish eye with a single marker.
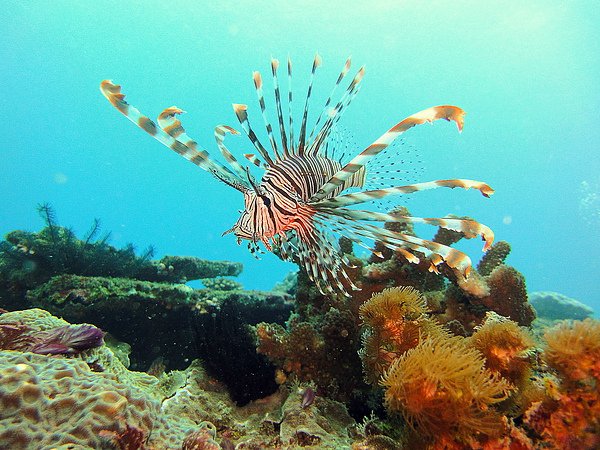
(266, 200)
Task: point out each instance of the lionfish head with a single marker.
(255, 222)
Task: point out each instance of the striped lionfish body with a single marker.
(305, 196)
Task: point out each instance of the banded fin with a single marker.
(261, 101)
(446, 112)
(241, 111)
(376, 194)
(470, 228)
(341, 76)
(302, 139)
(201, 158)
(274, 67)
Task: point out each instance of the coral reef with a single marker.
(443, 390)
(142, 313)
(90, 400)
(395, 322)
(493, 258)
(424, 359)
(28, 260)
(506, 348)
(556, 306)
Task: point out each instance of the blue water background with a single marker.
(525, 72)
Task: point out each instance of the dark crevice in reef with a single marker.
(228, 350)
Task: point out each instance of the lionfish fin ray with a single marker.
(302, 138)
(188, 148)
(242, 115)
(446, 112)
(261, 101)
(377, 194)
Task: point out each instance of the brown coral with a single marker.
(494, 257)
(442, 389)
(508, 295)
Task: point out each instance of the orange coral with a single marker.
(442, 388)
(505, 347)
(569, 422)
(569, 416)
(395, 322)
(573, 349)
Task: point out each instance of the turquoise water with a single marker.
(525, 72)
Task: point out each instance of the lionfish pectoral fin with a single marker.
(377, 194)
(170, 133)
(447, 112)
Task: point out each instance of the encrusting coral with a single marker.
(443, 390)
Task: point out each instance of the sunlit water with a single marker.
(526, 73)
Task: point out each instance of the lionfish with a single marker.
(304, 196)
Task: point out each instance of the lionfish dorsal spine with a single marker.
(241, 112)
(302, 139)
(290, 97)
(261, 101)
(338, 110)
(274, 67)
(325, 109)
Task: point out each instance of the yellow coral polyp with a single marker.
(398, 303)
(505, 346)
(442, 387)
(573, 349)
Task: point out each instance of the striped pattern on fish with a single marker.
(300, 202)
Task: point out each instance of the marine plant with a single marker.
(28, 259)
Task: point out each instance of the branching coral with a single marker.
(494, 257)
(443, 389)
